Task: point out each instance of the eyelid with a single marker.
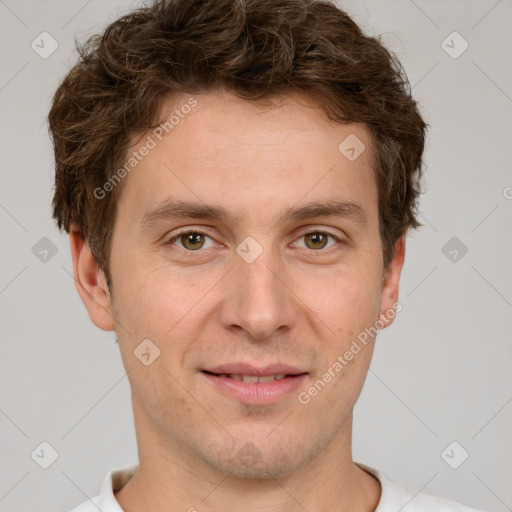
(320, 229)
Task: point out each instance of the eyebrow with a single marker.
(172, 209)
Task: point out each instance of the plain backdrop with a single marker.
(440, 385)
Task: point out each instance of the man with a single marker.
(237, 179)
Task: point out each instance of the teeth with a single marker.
(267, 378)
(250, 378)
(255, 378)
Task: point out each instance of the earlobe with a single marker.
(90, 283)
(390, 287)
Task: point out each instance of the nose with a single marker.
(259, 300)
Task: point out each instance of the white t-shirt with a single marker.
(394, 497)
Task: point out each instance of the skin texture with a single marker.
(298, 303)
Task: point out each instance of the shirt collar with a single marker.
(114, 480)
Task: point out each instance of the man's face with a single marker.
(258, 288)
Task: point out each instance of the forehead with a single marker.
(249, 155)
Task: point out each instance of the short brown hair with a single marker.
(255, 49)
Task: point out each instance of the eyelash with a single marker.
(199, 232)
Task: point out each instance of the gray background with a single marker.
(440, 374)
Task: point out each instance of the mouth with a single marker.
(251, 379)
(261, 389)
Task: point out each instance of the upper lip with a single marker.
(248, 369)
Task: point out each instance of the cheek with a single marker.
(347, 300)
(156, 309)
(150, 293)
(167, 305)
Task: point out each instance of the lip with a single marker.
(248, 369)
(256, 393)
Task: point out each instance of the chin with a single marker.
(263, 459)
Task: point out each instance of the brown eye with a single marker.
(316, 240)
(190, 240)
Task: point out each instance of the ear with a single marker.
(90, 283)
(389, 305)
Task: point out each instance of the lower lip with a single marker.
(259, 393)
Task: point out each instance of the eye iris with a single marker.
(316, 238)
(195, 238)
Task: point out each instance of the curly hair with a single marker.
(255, 49)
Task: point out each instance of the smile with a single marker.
(255, 389)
